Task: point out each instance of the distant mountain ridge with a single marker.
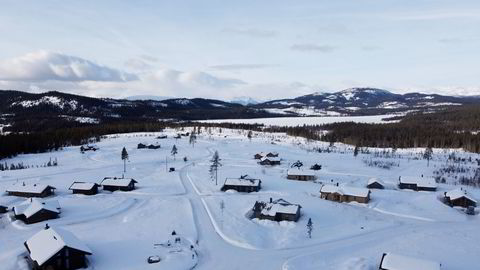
(22, 106)
(363, 101)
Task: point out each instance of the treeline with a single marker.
(451, 128)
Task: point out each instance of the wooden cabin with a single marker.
(344, 194)
(56, 249)
(242, 184)
(392, 261)
(35, 210)
(278, 210)
(375, 183)
(84, 188)
(141, 146)
(88, 148)
(271, 161)
(301, 175)
(417, 183)
(30, 190)
(265, 154)
(3, 209)
(122, 184)
(460, 197)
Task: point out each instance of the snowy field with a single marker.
(124, 228)
(300, 121)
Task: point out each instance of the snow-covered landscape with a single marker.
(215, 230)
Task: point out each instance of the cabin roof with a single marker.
(351, 191)
(270, 158)
(419, 181)
(242, 182)
(375, 180)
(33, 205)
(399, 262)
(296, 172)
(47, 242)
(459, 193)
(28, 188)
(82, 186)
(118, 182)
(280, 206)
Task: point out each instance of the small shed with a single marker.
(269, 161)
(242, 184)
(344, 194)
(460, 197)
(375, 183)
(122, 184)
(36, 210)
(55, 249)
(3, 209)
(417, 183)
(84, 188)
(30, 190)
(278, 210)
(301, 175)
(392, 261)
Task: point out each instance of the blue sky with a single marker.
(227, 49)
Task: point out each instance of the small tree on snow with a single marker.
(355, 151)
(249, 135)
(124, 158)
(309, 228)
(214, 167)
(174, 151)
(193, 138)
(428, 155)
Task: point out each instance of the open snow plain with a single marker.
(124, 228)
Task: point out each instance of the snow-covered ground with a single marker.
(300, 121)
(124, 228)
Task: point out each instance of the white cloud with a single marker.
(308, 47)
(45, 65)
(252, 32)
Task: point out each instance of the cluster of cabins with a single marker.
(268, 158)
(55, 248)
(149, 146)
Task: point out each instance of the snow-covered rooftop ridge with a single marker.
(459, 193)
(344, 190)
(392, 261)
(375, 180)
(118, 182)
(82, 186)
(300, 172)
(270, 158)
(28, 188)
(419, 181)
(33, 205)
(242, 182)
(47, 242)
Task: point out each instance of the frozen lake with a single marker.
(300, 121)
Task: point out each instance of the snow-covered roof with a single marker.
(28, 188)
(300, 173)
(459, 193)
(82, 186)
(419, 181)
(47, 242)
(34, 205)
(270, 158)
(242, 182)
(280, 206)
(375, 180)
(400, 262)
(118, 182)
(351, 191)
